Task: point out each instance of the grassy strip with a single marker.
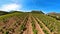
(34, 30)
(23, 27)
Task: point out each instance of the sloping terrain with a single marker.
(28, 23)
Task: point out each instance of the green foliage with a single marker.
(55, 15)
(34, 11)
(3, 13)
(5, 18)
(45, 31)
(17, 17)
(50, 22)
(33, 25)
(15, 12)
(7, 32)
(22, 27)
(35, 31)
(43, 28)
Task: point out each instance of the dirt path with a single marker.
(6, 26)
(11, 21)
(40, 31)
(29, 27)
(44, 26)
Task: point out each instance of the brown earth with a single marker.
(40, 31)
(15, 29)
(44, 26)
(28, 26)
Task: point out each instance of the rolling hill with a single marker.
(35, 22)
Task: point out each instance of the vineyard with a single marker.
(28, 23)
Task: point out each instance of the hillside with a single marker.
(55, 15)
(28, 23)
(3, 12)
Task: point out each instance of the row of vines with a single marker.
(51, 23)
(12, 23)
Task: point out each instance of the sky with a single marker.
(27, 5)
